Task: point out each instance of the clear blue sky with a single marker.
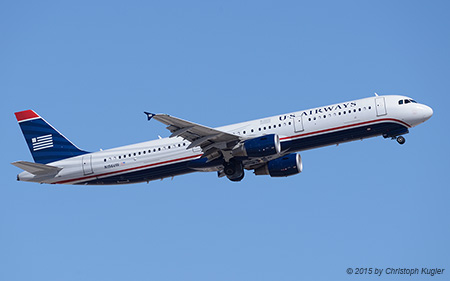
(92, 67)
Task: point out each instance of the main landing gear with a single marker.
(234, 170)
(401, 139)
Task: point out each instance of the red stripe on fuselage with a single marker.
(127, 170)
(25, 115)
(195, 156)
(345, 127)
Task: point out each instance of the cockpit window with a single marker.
(406, 101)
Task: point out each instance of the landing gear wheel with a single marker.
(401, 140)
(234, 170)
(230, 168)
(238, 179)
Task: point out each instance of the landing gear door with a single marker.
(298, 124)
(381, 106)
(87, 165)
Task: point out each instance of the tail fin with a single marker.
(46, 144)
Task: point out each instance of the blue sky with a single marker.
(92, 67)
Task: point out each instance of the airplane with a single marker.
(268, 146)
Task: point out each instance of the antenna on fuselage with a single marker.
(376, 94)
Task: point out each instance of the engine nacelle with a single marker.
(285, 166)
(259, 147)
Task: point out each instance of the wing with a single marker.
(211, 141)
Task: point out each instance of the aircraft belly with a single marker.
(330, 138)
(149, 174)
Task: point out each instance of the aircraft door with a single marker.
(298, 124)
(380, 106)
(87, 165)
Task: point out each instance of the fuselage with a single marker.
(387, 116)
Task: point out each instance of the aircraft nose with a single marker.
(427, 112)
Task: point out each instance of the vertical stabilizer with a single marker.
(46, 144)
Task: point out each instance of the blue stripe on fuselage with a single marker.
(300, 144)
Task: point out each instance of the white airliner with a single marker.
(267, 146)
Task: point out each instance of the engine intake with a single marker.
(285, 166)
(259, 147)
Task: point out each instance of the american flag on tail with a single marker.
(42, 142)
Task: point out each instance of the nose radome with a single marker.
(427, 112)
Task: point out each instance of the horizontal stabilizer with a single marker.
(36, 168)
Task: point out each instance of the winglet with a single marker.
(149, 115)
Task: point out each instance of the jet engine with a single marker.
(285, 166)
(259, 147)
